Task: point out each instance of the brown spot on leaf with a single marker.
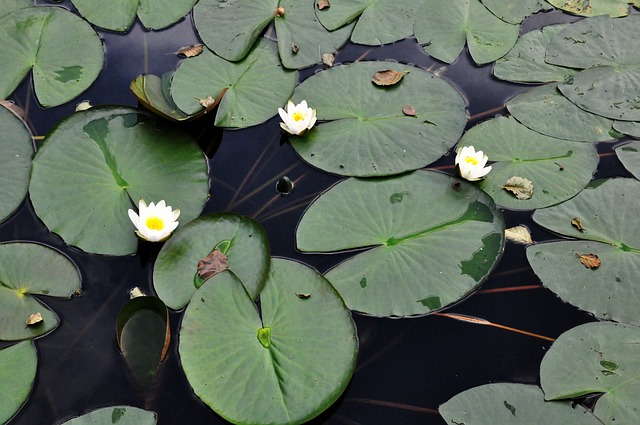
(388, 77)
(577, 223)
(212, 264)
(409, 111)
(34, 319)
(455, 186)
(190, 51)
(590, 261)
(323, 4)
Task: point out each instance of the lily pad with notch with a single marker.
(403, 223)
(121, 415)
(17, 375)
(292, 359)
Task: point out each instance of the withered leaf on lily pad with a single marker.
(577, 223)
(212, 264)
(522, 188)
(590, 261)
(34, 319)
(322, 4)
(409, 111)
(387, 77)
(328, 58)
(519, 235)
(190, 51)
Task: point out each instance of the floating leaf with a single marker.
(388, 77)
(613, 8)
(368, 134)
(405, 220)
(28, 269)
(121, 415)
(610, 292)
(292, 359)
(514, 11)
(190, 51)
(519, 151)
(99, 163)
(64, 51)
(521, 187)
(512, 404)
(443, 28)
(629, 155)
(519, 235)
(590, 261)
(580, 362)
(248, 255)
(17, 374)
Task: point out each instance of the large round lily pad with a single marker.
(255, 87)
(16, 152)
(97, 164)
(558, 169)
(283, 365)
(512, 404)
(368, 134)
(606, 286)
(17, 374)
(597, 358)
(247, 253)
(64, 51)
(433, 240)
(28, 269)
(120, 415)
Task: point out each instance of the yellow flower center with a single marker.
(471, 160)
(298, 116)
(155, 223)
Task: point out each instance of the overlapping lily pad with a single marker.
(629, 155)
(443, 28)
(512, 404)
(64, 51)
(119, 16)
(17, 374)
(247, 252)
(433, 240)
(632, 128)
(97, 164)
(558, 169)
(283, 365)
(28, 269)
(597, 358)
(368, 134)
(514, 11)
(121, 415)
(609, 84)
(256, 87)
(8, 6)
(606, 216)
(545, 110)
(613, 8)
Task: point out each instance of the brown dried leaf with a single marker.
(409, 111)
(34, 319)
(388, 77)
(323, 4)
(590, 261)
(577, 223)
(519, 235)
(190, 51)
(522, 188)
(279, 11)
(328, 58)
(207, 101)
(294, 48)
(212, 264)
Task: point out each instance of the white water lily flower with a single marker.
(298, 118)
(154, 223)
(471, 164)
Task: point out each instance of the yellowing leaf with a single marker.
(522, 188)
(34, 319)
(519, 235)
(327, 59)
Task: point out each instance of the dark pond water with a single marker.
(406, 368)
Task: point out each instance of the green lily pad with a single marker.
(614, 8)
(512, 404)
(283, 365)
(609, 291)
(16, 152)
(632, 128)
(230, 29)
(368, 133)
(256, 87)
(545, 110)
(443, 27)
(120, 14)
(121, 415)
(629, 155)
(28, 269)
(8, 6)
(525, 63)
(17, 374)
(378, 21)
(97, 164)
(406, 220)
(64, 51)
(558, 169)
(248, 254)
(514, 11)
(609, 84)
(597, 358)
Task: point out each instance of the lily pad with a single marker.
(609, 291)
(247, 251)
(368, 134)
(609, 84)
(597, 358)
(18, 372)
(256, 87)
(613, 8)
(16, 152)
(558, 169)
(545, 110)
(64, 51)
(525, 63)
(629, 155)
(632, 128)
(514, 11)
(154, 14)
(97, 164)
(406, 221)
(8, 6)
(512, 404)
(121, 415)
(443, 27)
(28, 269)
(282, 365)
